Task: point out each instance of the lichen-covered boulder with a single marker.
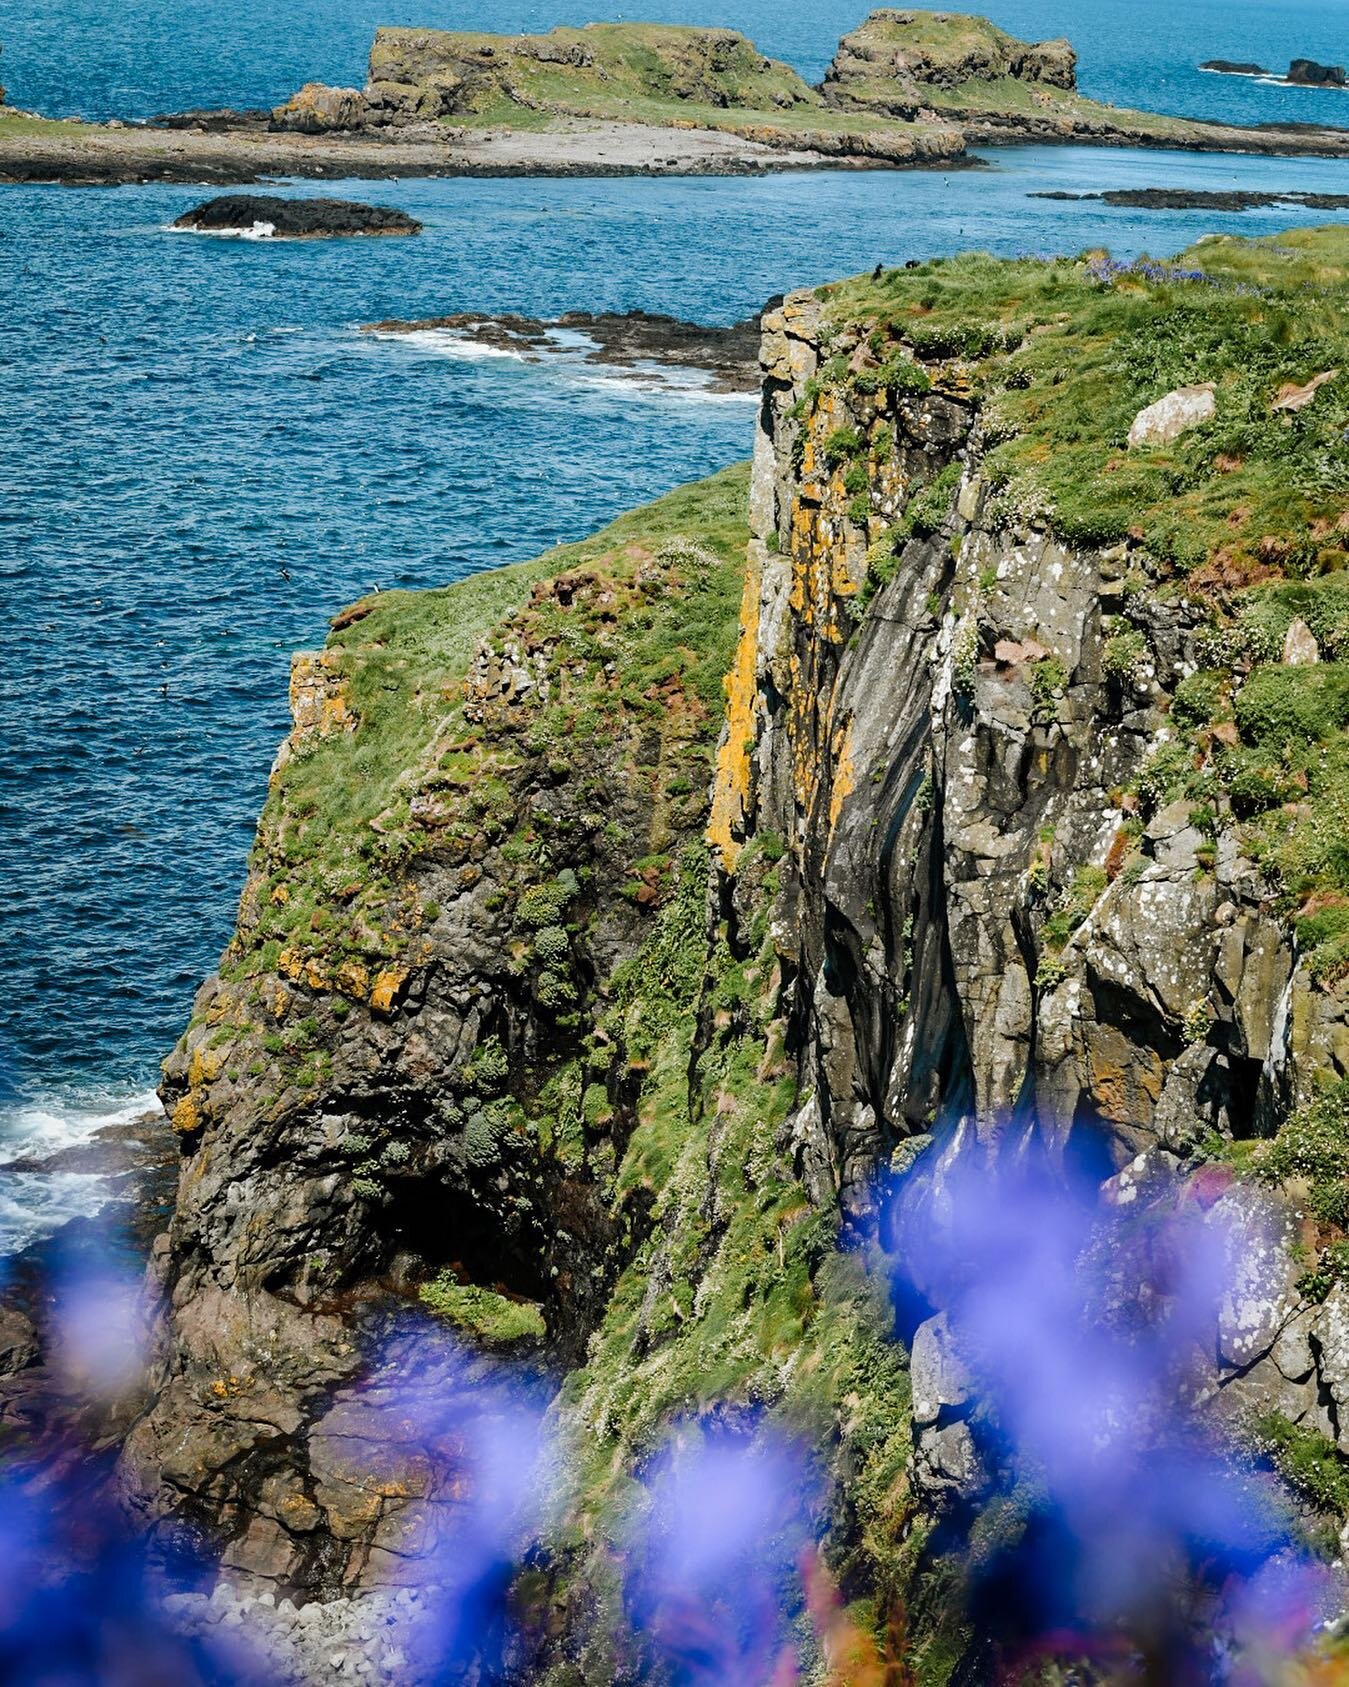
(320, 110)
(1173, 415)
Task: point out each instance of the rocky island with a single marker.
(906, 89)
(267, 216)
(1302, 73)
(969, 769)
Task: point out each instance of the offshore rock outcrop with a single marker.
(905, 63)
(995, 860)
(269, 216)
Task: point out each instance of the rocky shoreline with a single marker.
(99, 155)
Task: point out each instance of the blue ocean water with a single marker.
(202, 459)
(140, 57)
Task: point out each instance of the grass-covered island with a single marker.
(908, 88)
(617, 918)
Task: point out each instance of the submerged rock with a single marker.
(263, 216)
(730, 356)
(1203, 199)
(1230, 67)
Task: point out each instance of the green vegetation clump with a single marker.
(1088, 885)
(488, 1317)
(929, 507)
(1313, 1145)
(1307, 1461)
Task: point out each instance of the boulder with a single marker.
(1173, 415)
(18, 1341)
(1294, 397)
(941, 1380)
(1300, 648)
(319, 110)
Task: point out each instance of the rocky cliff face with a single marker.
(1019, 903)
(1021, 834)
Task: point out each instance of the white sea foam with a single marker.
(34, 1204)
(566, 354)
(256, 231)
(446, 342)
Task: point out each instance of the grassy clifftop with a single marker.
(390, 762)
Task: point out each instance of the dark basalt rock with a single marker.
(222, 120)
(1307, 73)
(626, 339)
(297, 219)
(1205, 199)
(1230, 67)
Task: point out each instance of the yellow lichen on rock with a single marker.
(205, 1066)
(387, 988)
(730, 789)
(186, 1116)
(845, 774)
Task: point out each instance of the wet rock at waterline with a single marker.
(264, 216)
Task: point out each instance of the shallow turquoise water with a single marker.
(202, 459)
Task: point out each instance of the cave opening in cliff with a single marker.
(429, 1227)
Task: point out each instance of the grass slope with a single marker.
(341, 825)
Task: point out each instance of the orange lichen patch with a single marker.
(730, 786)
(354, 979)
(845, 774)
(302, 969)
(186, 1116)
(318, 696)
(387, 988)
(1125, 1081)
(205, 1066)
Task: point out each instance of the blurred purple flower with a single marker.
(1088, 1326)
(712, 1563)
(80, 1607)
(455, 1447)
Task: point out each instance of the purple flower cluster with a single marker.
(1108, 270)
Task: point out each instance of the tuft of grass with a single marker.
(490, 1318)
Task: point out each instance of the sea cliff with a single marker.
(969, 774)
